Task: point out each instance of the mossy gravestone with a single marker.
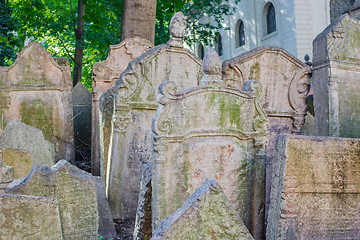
(134, 98)
(75, 191)
(36, 90)
(210, 131)
(6, 175)
(206, 214)
(29, 217)
(315, 190)
(105, 73)
(336, 78)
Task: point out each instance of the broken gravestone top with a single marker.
(206, 214)
(19, 135)
(73, 188)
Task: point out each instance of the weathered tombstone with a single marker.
(6, 175)
(23, 146)
(206, 214)
(285, 82)
(315, 189)
(143, 222)
(210, 131)
(29, 217)
(37, 91)
(75, 191)
(134, 98)
(105, 73)
(355, 9)
(81, 102)
(336, 77)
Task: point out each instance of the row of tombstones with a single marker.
(209, 124)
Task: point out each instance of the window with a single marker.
(239, 34)
(200, 51)
(339, 7)
(218, 44)
(270, 19)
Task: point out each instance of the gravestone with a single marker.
(6, 175)
(105, 73)
(23, 146)
(37, 91)
(336, 77)
(315, 189)
(75, 191)
(210, 131)
(285, 84)
(206, 214)
(29, 217)
(81, 102)
(355, 10)
(134, 101)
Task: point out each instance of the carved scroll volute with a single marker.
(130, 80)
(299, 88)
(233, 76)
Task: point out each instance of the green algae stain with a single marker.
(254, 72)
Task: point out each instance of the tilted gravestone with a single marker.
(105, 73)
(23, 145)
(315, 189)
(285, 82)
(206, 214)
(210, 131)
(6, 175)
(336, 79)
(37, 91)
(29, 217)
(134, 98)
(75, 191)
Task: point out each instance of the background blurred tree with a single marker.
(88, 27)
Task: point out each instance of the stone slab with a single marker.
(206, 214)
(29, 217)
(315, 189)
(75, 191)
(21, 160)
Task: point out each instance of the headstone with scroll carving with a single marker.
(75, 191)
(36, 90)
(315, 189)
(210, 131)
(105, 73)
(134, 98)
(336, 79)
(284, 80)
(206, 214)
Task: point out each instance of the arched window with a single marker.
(270, 18)
(239, 34)
(339, 7)
(218, 44)
(200, 51)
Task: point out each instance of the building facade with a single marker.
(289, 24)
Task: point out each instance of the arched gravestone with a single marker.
(285, 83)
(337, 79)
(105, 73)
(36, 90)
(133, 99)
(210, 131)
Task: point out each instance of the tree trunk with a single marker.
(139, 19)
(79, 49)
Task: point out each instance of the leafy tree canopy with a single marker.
(53, 23)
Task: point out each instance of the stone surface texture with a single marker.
(75, 191)
(210, 131)
(105, 73)
(134, 98)
(23, 146)
(337, 79)
(206, 214)
(29, 217)
(355, 10)
(315, 189)
(6, 175)
(285, 84)
(37, 91)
